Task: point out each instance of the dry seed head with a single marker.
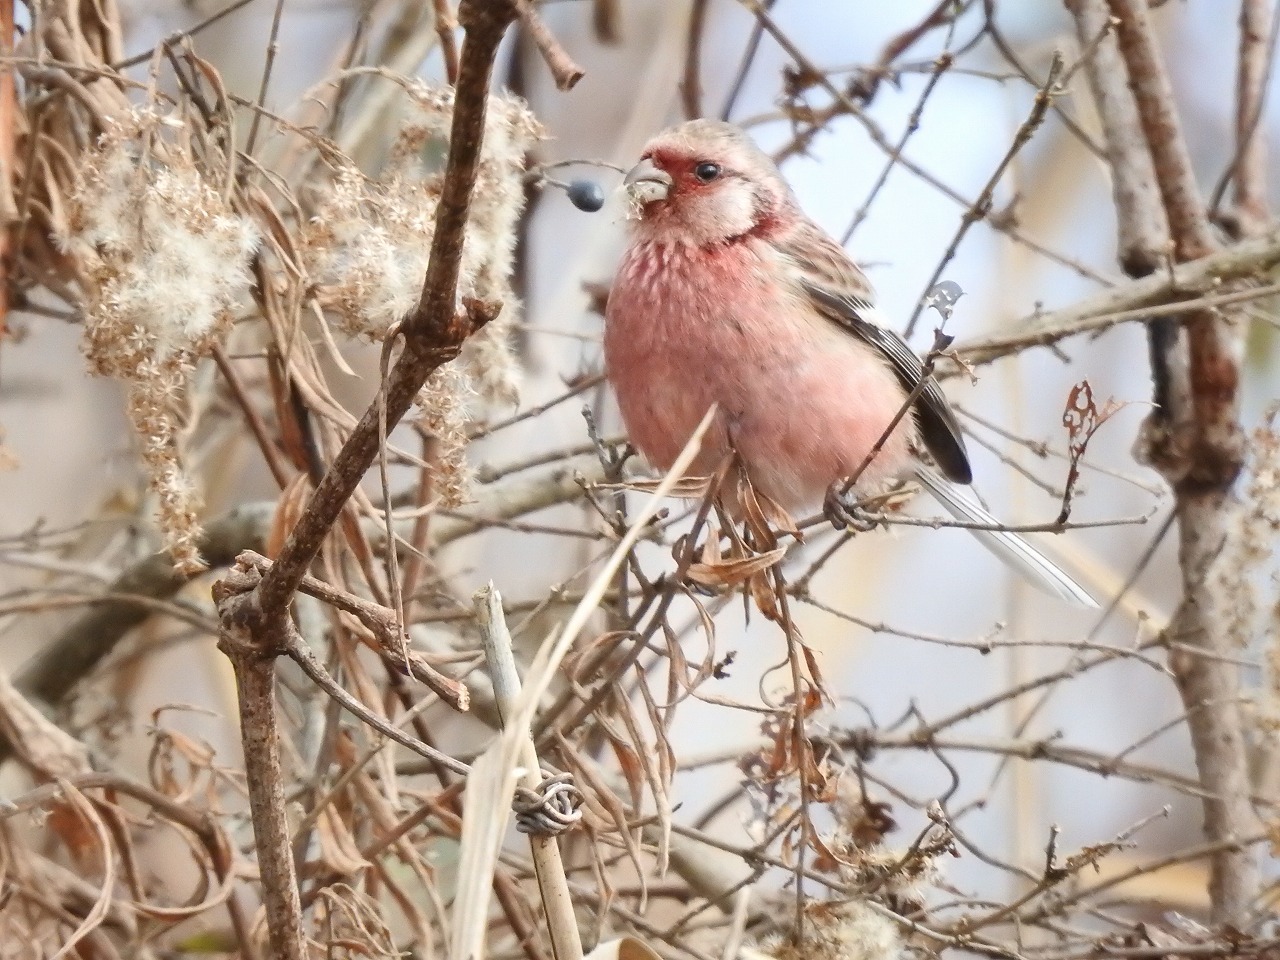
(369, 241)
(839, 931)
(368, 245)
(443, 405)
(163, 260)
(160, 250)
(1246, 564)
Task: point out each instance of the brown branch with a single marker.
(310, 664)
(1194, 440)
(253, 611)
(1249, 173)
(434, 332)
(445, 26)
(1144, 231)
(563, 69)
(1144, 243)
(255, 668)
(383, 623)
(605, 16)
(1158, 116)
(691, 85)
(868, 82)
(280, 471)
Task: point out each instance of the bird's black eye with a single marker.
(706, 171)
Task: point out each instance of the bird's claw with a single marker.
(701, 589)
(692, 585)
(842, 513)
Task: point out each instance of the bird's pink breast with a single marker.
(802, 401)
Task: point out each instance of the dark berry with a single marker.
(586, 195)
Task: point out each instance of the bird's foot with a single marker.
(843, 513)
(688, 583)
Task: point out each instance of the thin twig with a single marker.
(981, 207)
(565, 72)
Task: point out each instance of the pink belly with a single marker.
(802, 402)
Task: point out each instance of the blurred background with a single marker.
(909, 622)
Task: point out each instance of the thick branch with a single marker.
(434, 332)
(1250, 169)
(1158, 115)
(1195, 440)
(1143, 229)
(260, 735)
(1143, 241)
(1248, 258)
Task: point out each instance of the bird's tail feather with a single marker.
(1017, 553)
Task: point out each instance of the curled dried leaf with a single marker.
(1082, 417)
(734, 571)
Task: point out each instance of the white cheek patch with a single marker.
(737, 211)
(724, 213)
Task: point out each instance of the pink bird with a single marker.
(728, 294)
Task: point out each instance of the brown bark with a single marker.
(1194, 439)
(253, 611)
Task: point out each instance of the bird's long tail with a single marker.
(1017, 553)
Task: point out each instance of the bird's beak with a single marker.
(646, 183)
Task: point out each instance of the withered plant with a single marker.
(324, 299)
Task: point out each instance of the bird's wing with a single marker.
(842, 294)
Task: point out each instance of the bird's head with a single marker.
(704, 183)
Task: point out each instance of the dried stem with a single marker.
(566, 943)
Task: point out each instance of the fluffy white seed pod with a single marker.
(838, 931)
(164, 261)
(367, 246)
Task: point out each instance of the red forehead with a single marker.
(673, 160)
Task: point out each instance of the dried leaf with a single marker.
(338, 848)
(624, 948)
(1081, 417)
(289, 507)
(686, 488)
(598, 790)
(730, 573)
